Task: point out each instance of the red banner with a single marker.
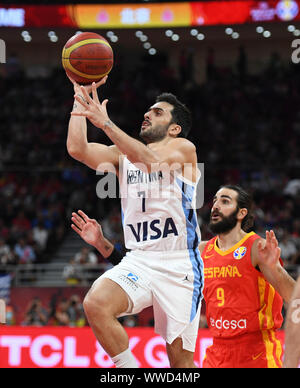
(167, 14)
(65, 347)
(240, 12)
(37, 16)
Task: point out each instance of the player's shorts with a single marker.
(171, 282)
(253, 350)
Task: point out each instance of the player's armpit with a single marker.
(101, 157)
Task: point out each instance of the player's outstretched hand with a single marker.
(88, 229)
(269, 250)
(94, 110)
(88, 88)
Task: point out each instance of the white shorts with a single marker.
(171, 282)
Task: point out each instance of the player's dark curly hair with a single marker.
(244, 200)
(181, 115)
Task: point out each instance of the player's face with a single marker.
(223, 216)
(156, 122)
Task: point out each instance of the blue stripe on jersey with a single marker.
(122, 215)
(192, 244)
(190, 214)
(198, 280)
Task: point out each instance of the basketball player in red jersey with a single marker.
(244, 287)
(244, 283)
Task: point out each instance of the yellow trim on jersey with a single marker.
(261, 291)
(269, 315)
(265, 312)
(232, 249)
(271, 363)
(278, 346)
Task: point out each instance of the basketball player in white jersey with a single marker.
(292, 330)
(163, 268)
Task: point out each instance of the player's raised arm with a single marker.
(266, 254)
(91, 154)
(160, 125)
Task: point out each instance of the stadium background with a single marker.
(243, 91)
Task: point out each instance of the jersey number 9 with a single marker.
(220, 296)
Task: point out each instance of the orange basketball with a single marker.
(87, 57)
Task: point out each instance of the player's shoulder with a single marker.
(202, 246)
(256, 238)
(182, 142)
(254, 243)
(253, 239)
(184, 146)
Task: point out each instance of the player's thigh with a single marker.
(105, 295)
(181, 350)
(178, 356)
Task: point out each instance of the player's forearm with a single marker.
(283, 283)
(292, 345)
(292, 330)
(136, 151)
(77, 133)
(104, 246)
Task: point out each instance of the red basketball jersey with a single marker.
(238, 298)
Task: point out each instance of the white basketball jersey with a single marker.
(158, 210)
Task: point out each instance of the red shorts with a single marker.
(252, 350)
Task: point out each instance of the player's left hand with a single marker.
(269, 250)
(88, 229)
(88, 87)
(94, 110)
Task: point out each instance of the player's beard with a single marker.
(225, 225)
(154, 134)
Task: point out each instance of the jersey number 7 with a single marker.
(143, 195)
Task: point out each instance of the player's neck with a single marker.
(227, 240)
(158, 144)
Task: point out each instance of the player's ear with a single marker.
(174, 130)
(242, 213)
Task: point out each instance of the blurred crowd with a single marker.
(246, 128)
(84, 267)
(32, 216)
(62, 312)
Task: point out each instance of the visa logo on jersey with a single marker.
(154, 230)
